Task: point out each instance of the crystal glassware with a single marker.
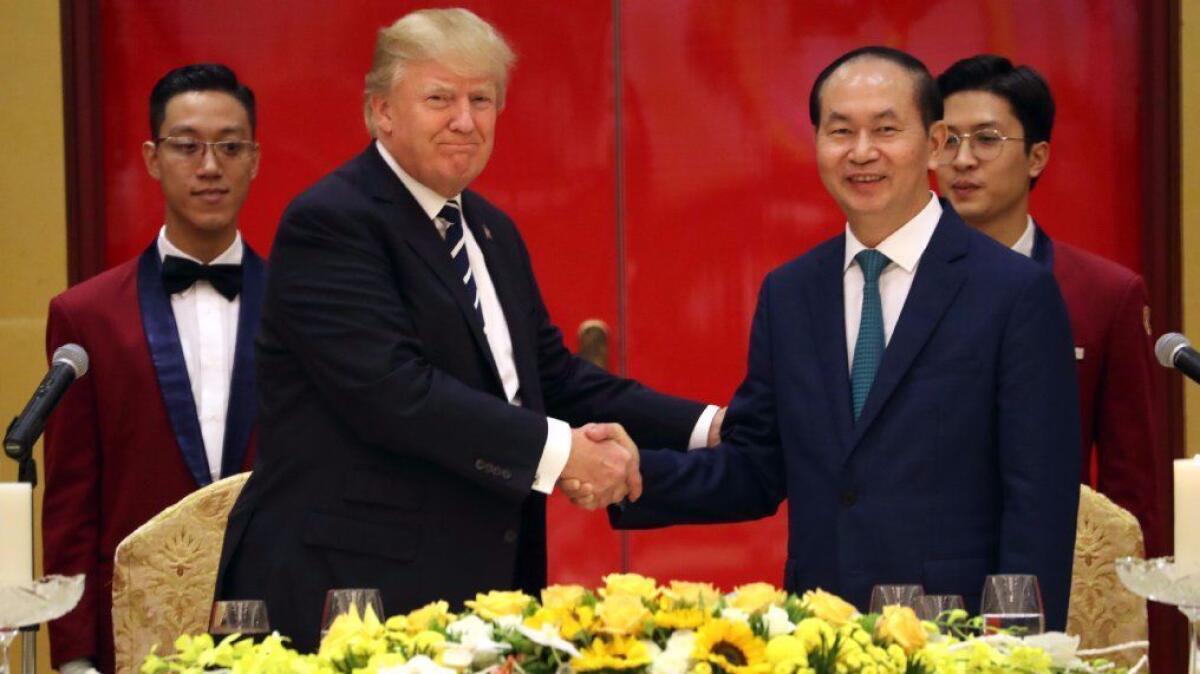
(247, 617)
(1013, 602)
(932, 606)
(1165, 581)
(894, 595)
(340, 601)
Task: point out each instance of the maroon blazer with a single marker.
(125, 443)
(1111, 326)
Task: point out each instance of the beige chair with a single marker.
(165, 571)
(1102, 612)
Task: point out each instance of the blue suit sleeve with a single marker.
(1038, 427)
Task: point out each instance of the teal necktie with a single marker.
(868, 349)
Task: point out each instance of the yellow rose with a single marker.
(829, 607)
(429, 616)
(899, 625)
(756, 597)
(496, 604)
(631, 584)
(622, 614)
(695, 594)
(787, 648)
(562, 596)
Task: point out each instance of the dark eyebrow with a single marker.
(191, 131)
(889, 113)
(836, 117)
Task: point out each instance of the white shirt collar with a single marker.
(430, 201)
(905, 245)
(231, 255)
(1024, 245)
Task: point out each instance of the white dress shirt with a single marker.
(207, 325)
(904, 248)
(1024, 245)
(558, 433)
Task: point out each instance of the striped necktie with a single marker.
(458, 252)
(868, 349)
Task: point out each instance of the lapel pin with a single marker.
(487, 233)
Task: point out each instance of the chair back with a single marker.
(165, 571)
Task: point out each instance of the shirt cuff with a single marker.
(699, 439)
(554, 455)
(77, 666)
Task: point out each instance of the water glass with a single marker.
(894, 595)
(247, 617)
(932, 606)
(1013, 602)
(342, 601)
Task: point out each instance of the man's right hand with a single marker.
(600, 472)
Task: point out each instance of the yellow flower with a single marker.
(629, 583)
(899, 625)
(621, 653)
(622, 614)
(350, 633)
(787, 649)
(562, 596)
(829, 607)
(731, 647)
(693, 594)
(814, 633)
(756, 597)
(430, 616)
(497, 603)
(680, 618)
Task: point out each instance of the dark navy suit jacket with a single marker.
(965, 460)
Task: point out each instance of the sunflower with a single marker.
(619, 654)
(680, 618)
(730, 647)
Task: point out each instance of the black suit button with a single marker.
(510, 536)
(480, 464)
(849, 497)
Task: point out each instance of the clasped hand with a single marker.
(603, 467)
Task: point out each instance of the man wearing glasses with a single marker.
(169, 403)
(1000, 118)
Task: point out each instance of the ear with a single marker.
(381, 114)
(937, 139)
(254, 165)
(1039, 156)
(151, 159)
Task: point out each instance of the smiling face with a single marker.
(438, 124)
(873, 151)
(995, 191)
(204, 193)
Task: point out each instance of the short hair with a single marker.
(928, 101)
(456, 38)
(198, 77)
(1024, 88)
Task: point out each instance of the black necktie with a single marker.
(179, 274)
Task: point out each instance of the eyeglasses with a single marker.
(184, 148)
(985, 145)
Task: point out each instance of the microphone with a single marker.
(69, 363)
(1174, 350)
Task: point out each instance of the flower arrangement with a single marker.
(634, 626)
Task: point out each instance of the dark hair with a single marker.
(1024, 89)
(929, 102)
(198, 77)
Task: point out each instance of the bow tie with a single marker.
(179, 274)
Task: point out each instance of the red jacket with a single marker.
(117, 452)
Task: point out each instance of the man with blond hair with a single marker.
(417, 402)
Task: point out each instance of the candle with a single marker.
(16, 533)
(1187, 511)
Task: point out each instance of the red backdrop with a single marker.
(656, 181)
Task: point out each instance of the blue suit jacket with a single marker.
(965, 460)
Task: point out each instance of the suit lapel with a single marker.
(1043, 248)
(243, 402)
(162, 338)
(827, 304)
(421, 235)
(939, 277)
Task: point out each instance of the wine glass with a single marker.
(247, 617)
(1013, 602)
(341, 601)
(932, 606)
(894, 595)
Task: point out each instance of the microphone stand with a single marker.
(22, 453)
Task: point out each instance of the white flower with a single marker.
(470, 629)
(418, 665)
(776, 621)
(548, 636)
(508, 622)
(735, 615)
(677, 656)
(1060, 647)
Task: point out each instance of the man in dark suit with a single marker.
(417, 402)
(169, 404)
(991, 105)
(909, 388)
